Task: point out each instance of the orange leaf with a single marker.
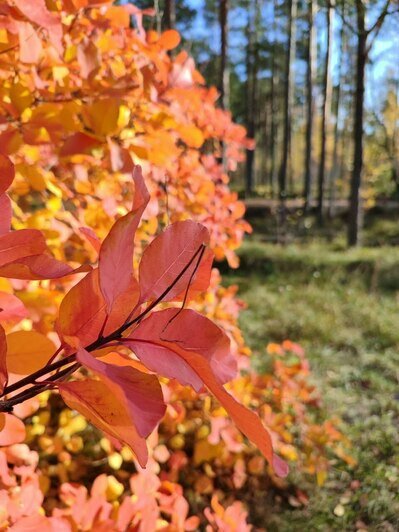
(28, 351)
(169, 39)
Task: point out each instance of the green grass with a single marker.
(343, 307)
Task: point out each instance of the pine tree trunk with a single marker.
(310, 103)
(356, 177)
(326, 106)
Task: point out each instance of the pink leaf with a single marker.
(12, 310)
(37, 12)
(13, 430)
(30, 45)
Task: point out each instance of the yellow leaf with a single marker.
(192, 136)
(21, 97)
(102, 116)
(28, 351)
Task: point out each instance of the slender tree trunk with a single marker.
(169, 14)
(273, 109)
(310, 103)
(356, 177)
(335, 166)
(287, 117)
(250, 90)
(224, 71)
(326, 107)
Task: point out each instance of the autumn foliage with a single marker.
(107, 291)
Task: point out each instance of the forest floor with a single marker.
(343, 308)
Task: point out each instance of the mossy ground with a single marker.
(343, 308)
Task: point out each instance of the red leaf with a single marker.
(5, 214)
(95, 401)
(247, 421)
(192, 332)
(116, 253)
(166, 257)
(7, 173)
(78, 143)
(82, 311)
(3, 359)
(139, 392)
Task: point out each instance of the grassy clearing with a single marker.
(343, 307)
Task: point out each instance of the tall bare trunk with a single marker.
(356, 177)
(310, 102)
(326, 107)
